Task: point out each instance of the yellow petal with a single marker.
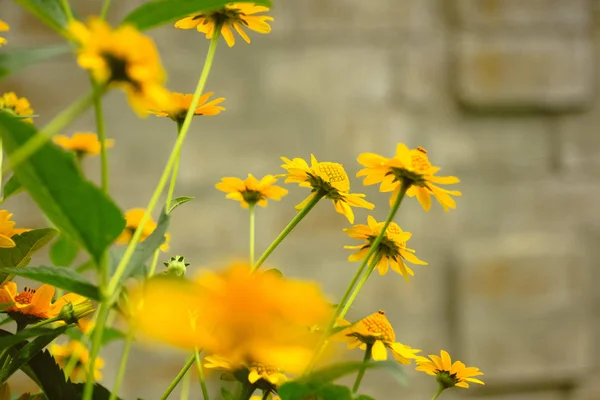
(379, 351)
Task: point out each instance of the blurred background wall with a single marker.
(503, 95)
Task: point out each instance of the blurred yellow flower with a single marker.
(392, 249)
(262, 376)
(375, 330)
(3, 27)
(82, 143)
(125, 58)
(63, 353)
(8, 230)
(234, 15)
(18, 106)
(412, 166)
(244, 317)
(180, 104)
(251, 190)
(325, 177)
(133, 218)
(448, 374)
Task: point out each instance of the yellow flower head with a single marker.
(448, 374)
(125, 58)
(180, 104)
(133, 218)
(8, 230)
(234, 15)
(262, 376)
(63, 353)
(251, 190)
(392, 249)
(377, 332)
(18, 106)
(325, 177)
(410, 166)
(245, 317)
(81, 143)
(3, 27)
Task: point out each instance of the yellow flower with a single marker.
(242, 316)
(125, 58)
(63, 353)
(8, 230)
(325, 177)
(133, 218)
(3, 27)
(448, 374)
(35, 303)
(392, 249)
(262, 376)
(81, 143)
(251, 191)
(180, 104)
(376, 331)
(234, 15)
(412, 166)
(17, 106)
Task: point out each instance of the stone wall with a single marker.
(501, 92)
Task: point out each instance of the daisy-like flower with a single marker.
(251, 191)
(8, 230)
(263, 376)
(392, 250)
(18, 106)
(3, 27)
(246, 317)
(233, 16)
(326, 178)
(447, 373)
(31, 305)
(413, 168)
(124, 58)
(63, 353)
(180, 104)
(82, 143)
(376, 331)
(133, 218)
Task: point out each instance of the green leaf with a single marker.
(63, 251)
(176, 202)
(300, 391)
(5, 319)
(10, 340)
(49, 12)
(155, 13)
(26, 244)
(16, 60)
(63, 278)
(12, 186)
(275, 271)
(364, 397)
(76, 206)
(226, 394)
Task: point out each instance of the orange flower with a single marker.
(133, 218)
(82, 143)
(180, 104)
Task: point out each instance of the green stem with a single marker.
(246, 391)
(439, 391)
(56, 125)
(359, 286)
(101, 132)
(286, 231)
(44, 322)
(201, 374)
(180, 375)
(122, 366)
(1, 160)
(88, 389)
(171, 190)
(104, 10)
(185, 387)
(252, 210)
(363, 368)
(154, 262)
(67, 9)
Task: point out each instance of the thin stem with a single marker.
(101, 131)
(286, 231)
(154, 262)
(185, 387)
(363, 368)
(56, 125)
(439, 391)
(104, 10)
(44, 322)
(252, 210)
(122, 366)
(67, 9)
(175, 173)
(246, 391)
(88, 389)
(201, 374)
(359, 286)
(180, 375)
(1, 160)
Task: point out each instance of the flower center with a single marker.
(25, 296)
(334, 173)
(378, 324)
(223, 17)
(420, 161)
(263, 368)
(118, 70)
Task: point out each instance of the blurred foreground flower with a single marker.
(63, 354)
(18, 106)
(251, 191)
(133, 218)
(3, 27)
(448, 374)
(124, 58)
(412, 167)
(244, 317)
(180, 104)
(234, 15)
(8, 230)
(82, 143)
(328, 179)
(392, 250)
